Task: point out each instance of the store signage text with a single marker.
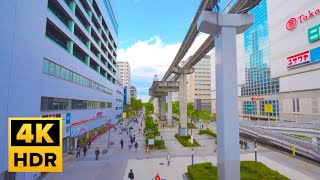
(314, 33)
(292, 22)
(304, 58)
(298, 59)
(98, 114)
(256, 99)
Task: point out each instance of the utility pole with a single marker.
(192, 157)
(109, 134)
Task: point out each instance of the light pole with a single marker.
(296, 110)
(255, 150)
(109, 134)
(161, 138)
(192, 158)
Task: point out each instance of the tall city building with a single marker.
(133, 91)
(278, 63)
(125, 72)
(58, 60)
(199, 83)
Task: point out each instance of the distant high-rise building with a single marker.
(125, 72)
(199, 83)
(133, 91)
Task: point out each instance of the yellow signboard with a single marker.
(268, 108)
(124, 115)
(35, 145)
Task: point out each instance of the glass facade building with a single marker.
(258, 79)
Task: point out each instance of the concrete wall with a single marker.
(20, 69)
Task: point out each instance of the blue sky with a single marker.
(150, 34)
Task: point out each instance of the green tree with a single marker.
(176, 107)
(205, 116)
(148, 106)
(190, 109)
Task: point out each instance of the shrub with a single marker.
(159, 144)
(257, 170)
(248, 170)
(208, 131)
(202, 171)
(184, 141)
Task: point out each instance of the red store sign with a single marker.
(298, 59)
(256, 99)
(292, 22)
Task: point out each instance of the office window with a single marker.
(45, 66)
(52, 68)
(63, 72)
(67, 75)
(109, 105)
(294, 105)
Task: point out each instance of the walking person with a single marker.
(168, 158)
(147, 152)
(157, 177)
(78, 151)
(85, 150)
(131, 175)
(97, 152)
(89, 143)
(136, 145)
(121, 143)
(129, 145)
(245, 145)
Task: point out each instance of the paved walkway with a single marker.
(111, 165)
(115, 164)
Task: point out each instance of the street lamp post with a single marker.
(109, 134)
(192, 158)
(255, 150)
(161, 138)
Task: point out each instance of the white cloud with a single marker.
(153, 56)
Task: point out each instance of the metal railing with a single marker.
(302, 146)
(284, 124)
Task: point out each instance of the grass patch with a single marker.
(248, 170)
(184, 141)
(300, 136)
(208, 131)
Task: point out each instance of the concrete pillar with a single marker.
(162, 107)
(225, 27)
(169, 116)
(90, 14)
(70, 47)
(72, 6)
(183, 104)
(227, 103)
(156, 107)
(71, 26)
(183, 72)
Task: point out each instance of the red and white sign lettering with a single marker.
(256, 99)
(292, 22)
(297, 59)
